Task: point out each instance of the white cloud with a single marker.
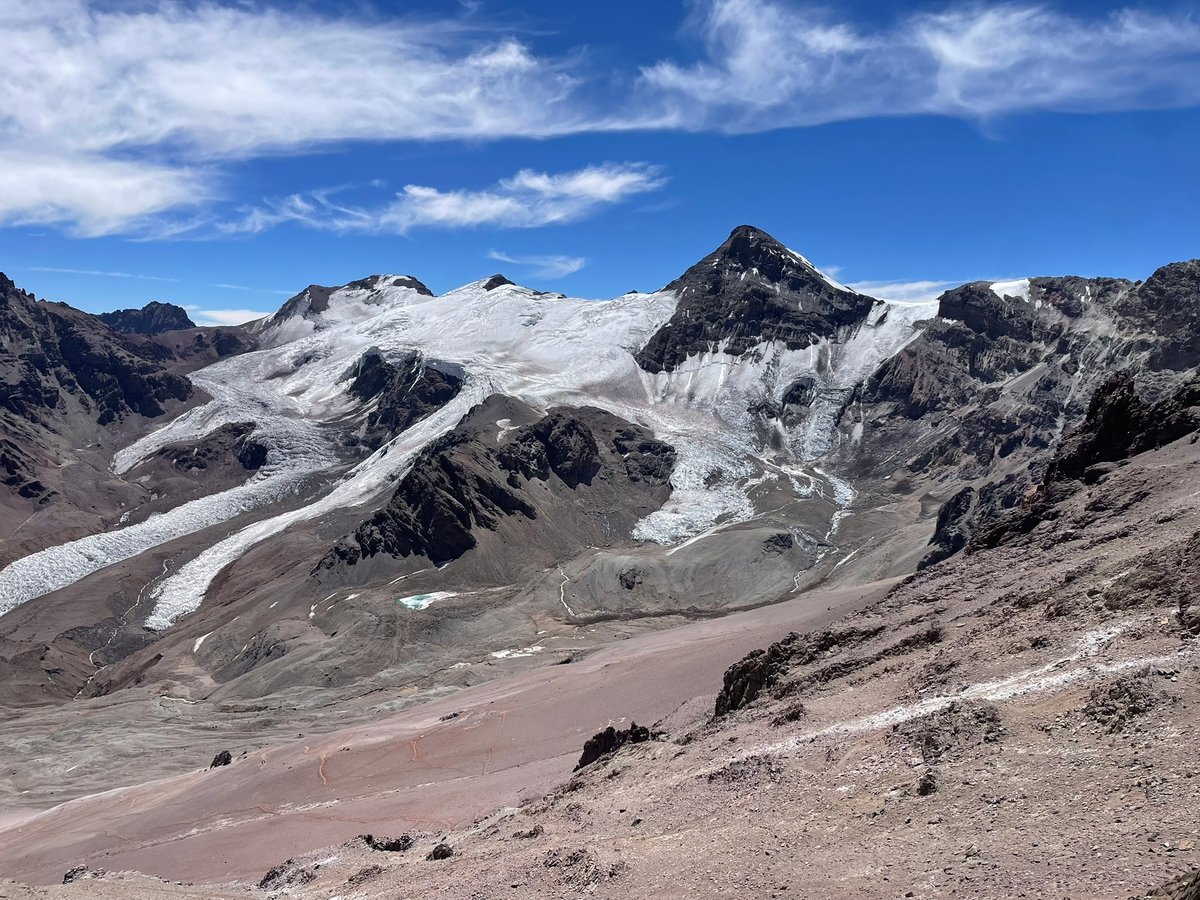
(904, 291)
(123, 118)
(99, 273)
(526, 200)
(88, 194)
(543, 266)
(773, 64)
(235, 79)
(225, 316)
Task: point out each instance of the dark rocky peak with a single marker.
(496, 281)
(1172, 286)
(749, 290)
(64, 373)
(749, 254)
(153, 318)
(312, 300)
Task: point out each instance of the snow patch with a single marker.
(1018, 288)
(518, 654)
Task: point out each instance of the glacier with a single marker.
(544, 349)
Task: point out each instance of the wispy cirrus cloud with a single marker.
(252, 290)
(552, 266)
(125, 118)
(528, 199)
(771, 64)
(98, 273)
(904, 291)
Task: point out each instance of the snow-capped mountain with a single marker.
(497, 456)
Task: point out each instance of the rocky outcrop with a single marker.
(1184, 887)
(470, 482)
(1167, 307)
(952, 530)
(405, 391)
(153, 318)
(952, 730)
(1118, 425)
(494, 282)
(55, 357)
(388, 845)
(750, 290)
(224, 758)
(979, 402)
(65, 375)
(610, 740)
(755, 673)
(230, 443)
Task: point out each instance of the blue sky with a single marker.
(224, 156)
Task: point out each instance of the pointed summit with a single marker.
(751, 250)
(750, 290)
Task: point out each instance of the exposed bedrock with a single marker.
(56, 357)
(403, 392)
(751, 289)
(229, 444)
(153, 318)
(1119, 425)
(978, 403)
(571, 478)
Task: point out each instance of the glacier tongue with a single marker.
(542, 349)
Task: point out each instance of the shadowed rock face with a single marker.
(407, 390)
(228, 443)
(53, 350)
(1167, 304)
(751, 289)
(986, 391)
(153, 318)
(1118, 426)
(468, 482)
(66, 372)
